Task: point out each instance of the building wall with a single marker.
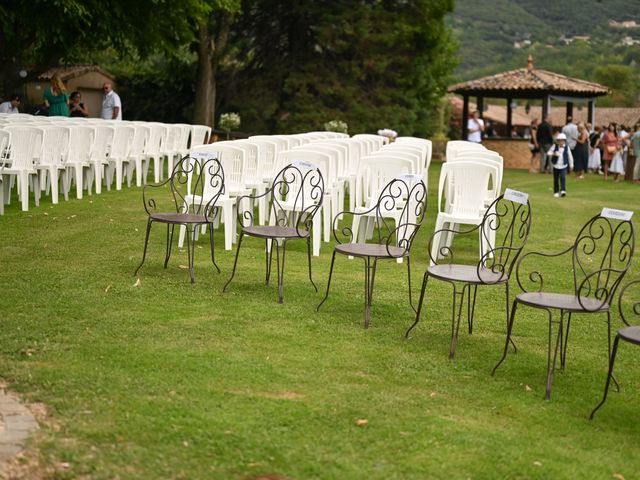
(515, 152)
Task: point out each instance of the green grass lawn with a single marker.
(174, 380)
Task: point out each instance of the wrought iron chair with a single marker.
(403, 199)
(503, 233)
(600, 257)
(295, 197)
(630, 333)
(194, 197)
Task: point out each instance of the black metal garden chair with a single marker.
(393, 222)
(195, 186)
(630, 334)
(295, 196)
(600, 257)
(503, 233)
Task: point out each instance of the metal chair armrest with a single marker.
(536, 276)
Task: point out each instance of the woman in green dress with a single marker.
(56, 97)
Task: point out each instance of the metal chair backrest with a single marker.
(601, 256)
(194, 190)
(634, 308)
(298, 188)
(503, 234)
(26, 143)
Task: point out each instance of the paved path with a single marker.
(16, 423)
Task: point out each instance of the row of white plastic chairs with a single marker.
(470, 180)
(41, 152)
(361, 165)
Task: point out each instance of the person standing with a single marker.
(545, 140)
(475, 127)
(11, 106)
(594, 149)
(111, 105)
(581, 151)
(56, 98)
(534, 145)
(571, 131)
(561, 158)
(610, 147)
(635, 143)
(76, 107)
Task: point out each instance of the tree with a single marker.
(371, 63)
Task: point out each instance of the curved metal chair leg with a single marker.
(191, 246)
(235, 262)
(309, 260)
(146, 242)
(612, 361)
(280, 267)
(609, 347)
(471, 307)
(369, 278)
(213, 255)
(514, 308)
(565, 343)
(409, 278)
(170, 228)
(455, 318)
(419, 309)
(511, 340)
(326, 295)
(269, 259)
(551, 362)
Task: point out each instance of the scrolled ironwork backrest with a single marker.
(195, 184)
(503, 234)
(601, 256)
(634, 309)
(295, 197)
(405, 199)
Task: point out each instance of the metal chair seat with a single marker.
(562, 301)
(466, 273)
(371, 250)
(630, 334)
(179, 218)
(275, 231)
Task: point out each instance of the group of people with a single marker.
(602, 150)
(58, 102)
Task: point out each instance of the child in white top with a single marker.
(562, 160)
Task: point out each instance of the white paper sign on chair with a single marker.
(409, 178)
(203, 156)
(615, 214)
(304, 165)
(516, 196)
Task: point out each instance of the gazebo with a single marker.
(528, 83)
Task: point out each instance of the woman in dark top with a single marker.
(76, 107)
(534, 146)
(581, 152)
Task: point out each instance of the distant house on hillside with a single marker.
(87, 79)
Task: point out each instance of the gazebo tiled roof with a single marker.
(73, 71)
(529, 82)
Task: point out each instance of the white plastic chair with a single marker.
(26, 142)
(5, 140)
(119, 155)
(81, 140)
(154, 149)
(199, 135)
(99, 153)
(467, 185)
(138, 160)
(490, 157)
(52, 167)
(455, 146)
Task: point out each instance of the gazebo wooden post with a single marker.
(465, 116)
(509, 118)
(569, 111)
(546, 106)
(480, 106)
(592, 112)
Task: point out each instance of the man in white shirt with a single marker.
(11, 106)
(475, 127)
(571, 132)
(111, 105)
